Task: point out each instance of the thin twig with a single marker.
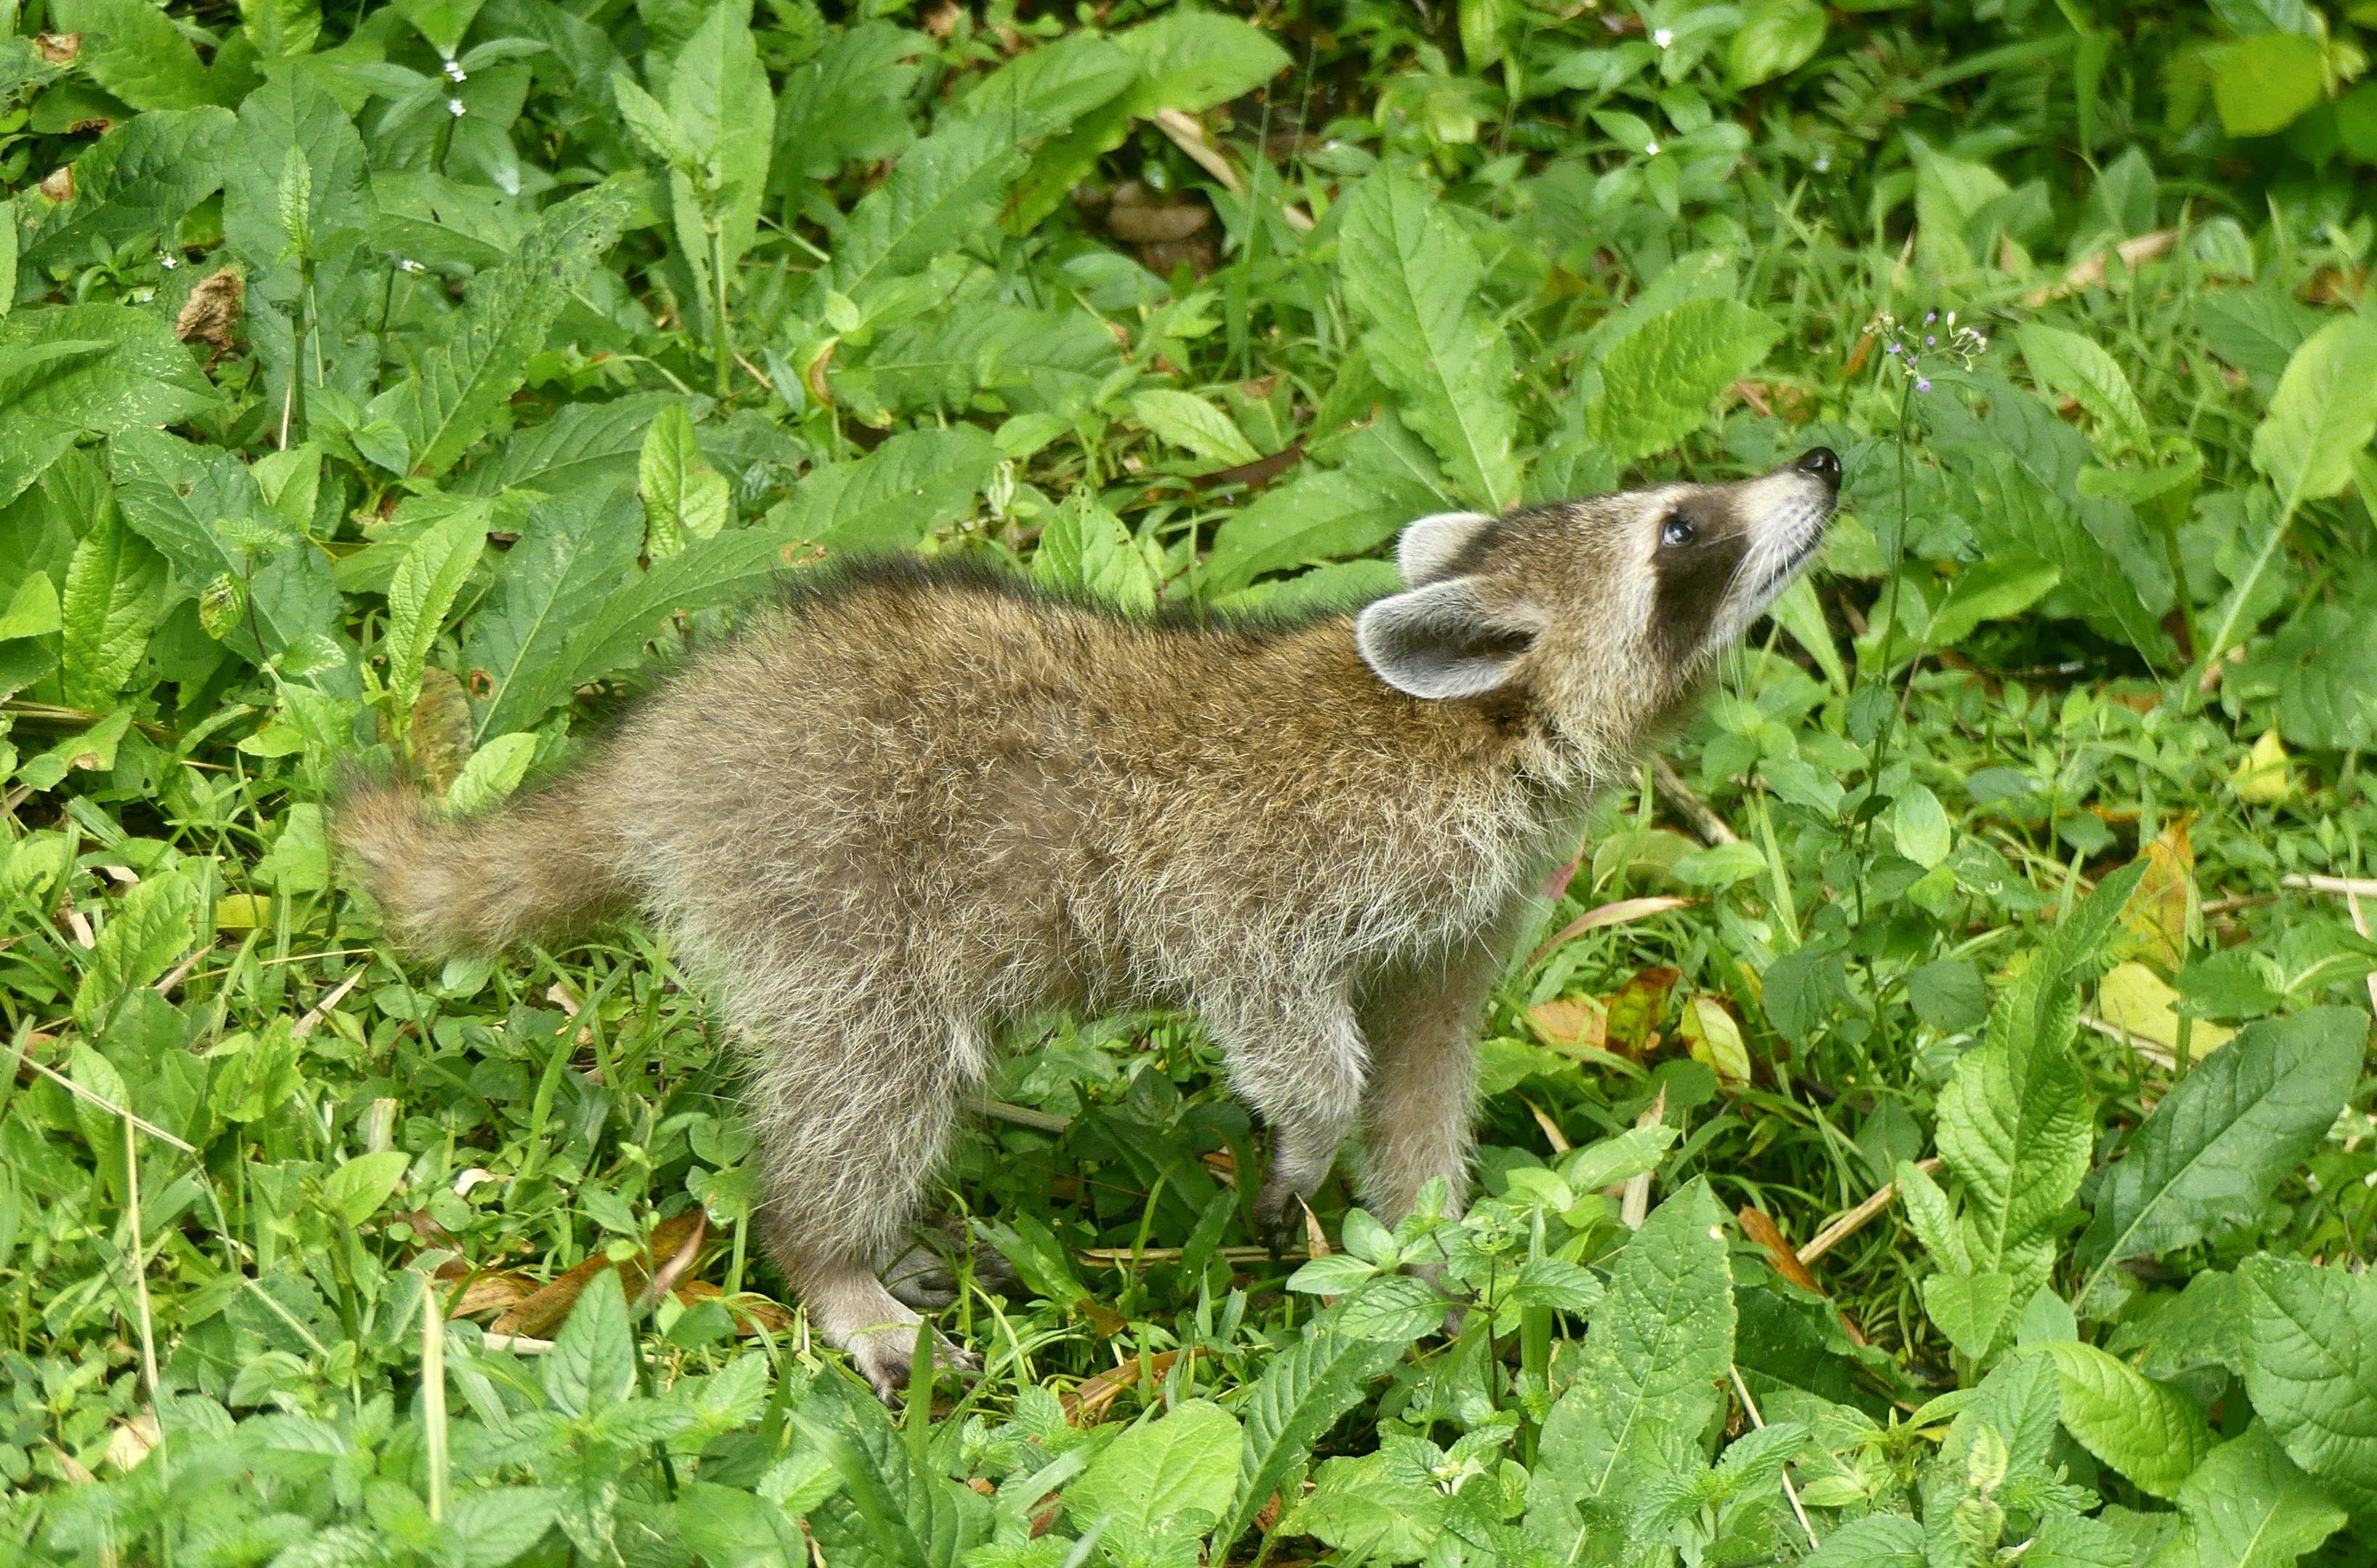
(2349, 887)
(671, 1272)
(1189, 137)
(179, 973)
(322, 1010)
(1856, 1219)
(1759, 1422)
(1024, 1116)
(1690, 807)
(139, 1261)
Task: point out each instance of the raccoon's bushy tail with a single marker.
(540, 868)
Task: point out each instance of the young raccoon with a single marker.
(916, 803)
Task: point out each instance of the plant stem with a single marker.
(722, 350)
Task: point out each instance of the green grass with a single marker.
(528, 397)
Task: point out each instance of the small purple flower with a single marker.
(1929, 317)
(1928, 340)
(1921, 384)
(1892, 349)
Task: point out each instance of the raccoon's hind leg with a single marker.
(1422, 1023)
(1298, 1059)
(854, 1118)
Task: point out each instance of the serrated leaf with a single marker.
(1320, 517)
(943, 190)
(2147, 1430)
(718, 100)
(104, 367)
(1299, 1396)
(574, 553)
(684, 499)
(1660, 1343)
(498, 1526)
(2076, 367)
(1054, 85)
(131, 49)
(649, 121)
(1193, 425)
(2219, 1143)
(148, 929)
(1779, 37)
(423, 588)
(832, 109)
(113, 587)
(1877, 1540)
(2249, 1506)
(2322, 669)
(453, 397)
(1185, 1463)
(1658, 382)
(1414, 279)
(2324, 412)
(2310, 1370)
(890, 499)
(138, 179)
(331, 194)
(1973, 1310)
(1086, 549)
(356, 1191)
(1193, 60)
(591, 1366)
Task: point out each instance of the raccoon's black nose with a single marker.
(1824, 462)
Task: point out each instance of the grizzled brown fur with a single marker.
(916, 803)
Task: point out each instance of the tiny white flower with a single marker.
(454, 107)
(1664, 37)
(454, 71)
(169, 262)
(1824, 162)
(1651, 149)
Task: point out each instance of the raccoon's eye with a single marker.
(1677, 533)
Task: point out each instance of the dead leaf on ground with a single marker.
(2163, 913)
(1570, 1023)
(1638, 1009)
(211, 315)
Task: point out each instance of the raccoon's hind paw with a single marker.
(1279, 1218)
(885, 1357)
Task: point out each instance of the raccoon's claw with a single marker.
(1279, 1218)
(921, 1274)
(886, 1361)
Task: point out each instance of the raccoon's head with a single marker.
(1605, 613)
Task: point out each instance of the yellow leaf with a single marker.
(2135, 1001)
(2262, 778)
(1571, 1023)
(2163, 913)
(1715, 1039)
(243, 912)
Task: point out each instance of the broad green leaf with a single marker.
(148, 929)
(1054, 85)
(1318, 516)
(1184, 1464)
(833, 108)
(1192, 423)
(179, 496)
(944, 190)
(441, 22)
(1395, 1308)
(501, 1524)
(575, 554)
(356, 1191)
(1973, 1310)
(297, 159)
(1657, 384)
(280, 28)
(893, 496)
(1993, 590)
(2322, 670)
(1779, 37)
(684, 498)
(1796, 611)
(138, 180)
(1659, 1346)
(113, 587)
(1367, 1515)
(1412, 279)
(493, 770)
(591, 1366)
(462, 383)
(2147, 1430)
(1932, 1218)
(104, 367)
(2219, 1143)
(740, 564)
(654, 128)
(585, 446)
(1921, 826)
(2263, 85)
(888, 1514)
(129, 48)
(2310, 1370)
(2325, 410)
(2077, 367)
(1299, 1396)
(33, 610)
(2249, 1506)
(1193, 60)
(1877, 1540)
(423, 590)
(719, 101)
(1086, 549)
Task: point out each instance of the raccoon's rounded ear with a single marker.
(1430, 546)
(1439, 642)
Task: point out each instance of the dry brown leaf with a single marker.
(2163, 912)
(1570, 1023)
(1625, 911)
(211, 315)
(441, 729)
(1086, 1403)
(58, 48)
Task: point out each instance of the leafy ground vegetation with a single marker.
(1927, 1125)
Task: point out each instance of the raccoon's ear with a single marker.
(1439, 642)
(1430, 546)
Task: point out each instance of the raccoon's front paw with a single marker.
(885, 1357)
(1279, 1218)
(920, 1273)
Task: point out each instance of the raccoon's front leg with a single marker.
(1299, 1061)
(1422, 1022)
